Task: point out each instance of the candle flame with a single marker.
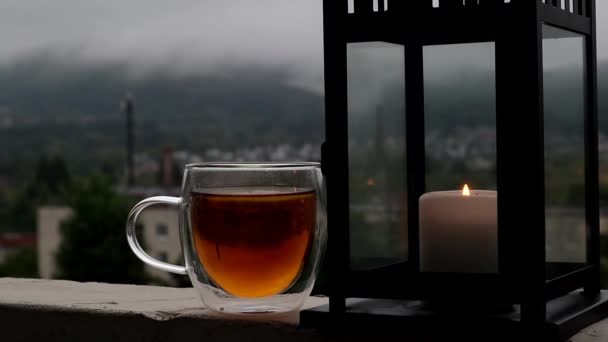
(466, 191)
(371, 182)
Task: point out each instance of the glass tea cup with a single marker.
(252, 235)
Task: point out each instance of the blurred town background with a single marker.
(93, 120)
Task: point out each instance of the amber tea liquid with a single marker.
(253, 242)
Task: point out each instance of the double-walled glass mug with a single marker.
(252, 235)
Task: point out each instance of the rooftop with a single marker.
(18, 240)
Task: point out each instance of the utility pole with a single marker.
(128, 106)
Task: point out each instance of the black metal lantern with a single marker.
(428, 95)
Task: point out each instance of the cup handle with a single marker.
(132, 236)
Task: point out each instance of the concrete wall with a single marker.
(49, 237)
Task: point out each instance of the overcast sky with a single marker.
(187, 35)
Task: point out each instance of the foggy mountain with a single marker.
(74, 110)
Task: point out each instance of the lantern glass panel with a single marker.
(460, 116)
(377, 165)
(564, 84)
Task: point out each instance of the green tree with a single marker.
(21, 264)
(93, 246)
(5, 212)
(51, 177)
(52, 173)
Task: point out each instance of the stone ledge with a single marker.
(36, 310)
(32, 310)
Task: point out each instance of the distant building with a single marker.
(160, 231)
(49, 237)
(161, 238)
(13, 242)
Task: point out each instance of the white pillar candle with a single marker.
(458, 231)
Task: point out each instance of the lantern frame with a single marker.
(516, 28)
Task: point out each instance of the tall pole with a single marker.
(129, 109)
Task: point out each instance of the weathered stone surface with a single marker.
(35, 310)
(158, 303)
(43, 310)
